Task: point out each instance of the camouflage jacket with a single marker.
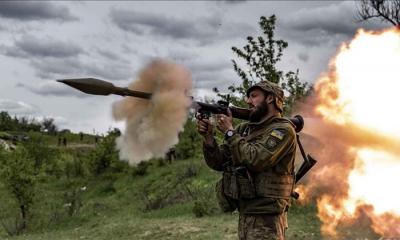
(265, 148)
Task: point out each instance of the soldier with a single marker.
(257, 161)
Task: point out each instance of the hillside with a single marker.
(161, 204)
(81, 190)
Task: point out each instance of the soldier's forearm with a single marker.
(213, 155)
(209, 140)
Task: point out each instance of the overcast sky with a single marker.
(44, 41)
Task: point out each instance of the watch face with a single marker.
(229, 133)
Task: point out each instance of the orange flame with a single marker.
(359, 128)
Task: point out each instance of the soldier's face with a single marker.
(257, 104)
(256, 97)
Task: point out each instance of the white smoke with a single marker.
(152, 126)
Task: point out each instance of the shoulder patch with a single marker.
(278, 134)
(271, 143)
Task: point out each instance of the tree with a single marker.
(261, 54)
(49, 126)
(385, 10)
(6, 122)
(19, 178)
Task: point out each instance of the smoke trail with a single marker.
(152, 126)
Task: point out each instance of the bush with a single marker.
(54, 167)
(190, 142)
(73, 201)
(203, 196)
(40, 152)
(205, 203)
(191, 170)
(104, 156)
(74, 166)
(11, 226)
(106, 186)
(19, 178)
(160, 162)
(179, 187)
(140, 169)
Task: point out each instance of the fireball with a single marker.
(357, 102)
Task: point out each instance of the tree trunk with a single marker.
(24, 215)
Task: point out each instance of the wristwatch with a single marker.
(229, 134)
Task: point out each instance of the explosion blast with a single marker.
(152, 126)
(356, 182)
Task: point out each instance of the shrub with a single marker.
(192, 170)
(39, 151)
(74, 166)
(140, 169)
(205, 203)
(203, 196)
(190, 142)
(73, 200)
(104, 155)
(19, 178)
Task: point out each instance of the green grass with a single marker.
(113, 208)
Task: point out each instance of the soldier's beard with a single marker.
(258, 112)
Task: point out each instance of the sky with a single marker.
(41, 41)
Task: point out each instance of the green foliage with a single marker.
(48, 126)
(53, 168)
(111, 206)
(73, 201)
(167, 188)
(65, 202)
(3, 157)
(105, 157)
(74, 164)
(296, 89)
(19, 178)
(260, 55)
(203, 196)
(157, 195)
(140, 169)
(7, 123)
(204, 202)
(39, 151)
(189, 141)
(191, 171)
(18, 175)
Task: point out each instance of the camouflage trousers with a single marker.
(263, 226)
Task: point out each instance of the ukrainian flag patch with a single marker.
(278, 134)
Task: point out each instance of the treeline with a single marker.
(9, 123)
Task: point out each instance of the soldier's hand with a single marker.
(224, 122)
(205, 128)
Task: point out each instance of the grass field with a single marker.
(113, 207)
(127, 225)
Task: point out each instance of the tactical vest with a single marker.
(239, 183)
(265, 184)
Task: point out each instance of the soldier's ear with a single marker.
(270, 98)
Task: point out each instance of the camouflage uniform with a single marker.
(258, 175)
